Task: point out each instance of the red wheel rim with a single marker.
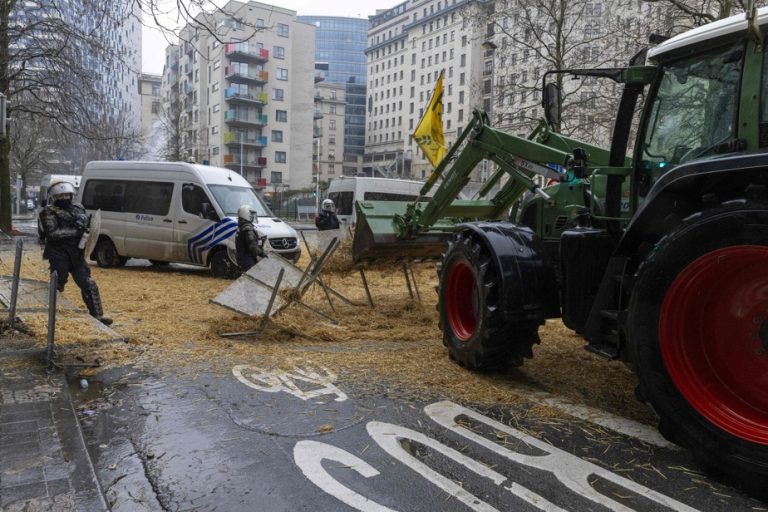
(713, 333)
(461, 300)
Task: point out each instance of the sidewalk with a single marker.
(44, 464)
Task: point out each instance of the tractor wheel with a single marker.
(698, 338)
(476, 335)
(106, 256)
(222, 266)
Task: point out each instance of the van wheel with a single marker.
(222, 266)
(106, 255)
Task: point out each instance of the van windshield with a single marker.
(230, 198)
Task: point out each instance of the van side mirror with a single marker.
(552, 102)
(209, 213)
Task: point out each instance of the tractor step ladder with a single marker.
(609, 312)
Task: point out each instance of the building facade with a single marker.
(151, 109)
(329, 140)
(244, 99)
(340, 49)
(409, 46)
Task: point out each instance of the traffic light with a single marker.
(4, 118)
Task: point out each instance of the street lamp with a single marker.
(489, 46)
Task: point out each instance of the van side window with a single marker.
(193, 198)
(343, 202)
(388, 196)
(106, 195)
(148, 197)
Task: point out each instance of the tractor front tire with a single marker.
(698, 339)
(474, 331)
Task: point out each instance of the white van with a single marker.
(175, 212)
(344, 191)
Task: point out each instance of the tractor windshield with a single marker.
(694, 110)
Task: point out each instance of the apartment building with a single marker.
(330, 110)
(151, 108)
(244, 99)
(409, 46)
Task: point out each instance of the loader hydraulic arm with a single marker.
(519, 158)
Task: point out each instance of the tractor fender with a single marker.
(527, 287)
(691, 188)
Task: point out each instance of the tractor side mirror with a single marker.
(552, 101)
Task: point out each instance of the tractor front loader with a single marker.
(659, 260)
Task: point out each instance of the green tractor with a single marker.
(659, 259)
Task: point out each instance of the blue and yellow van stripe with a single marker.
(210, 236)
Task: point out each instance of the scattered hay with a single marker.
(172, 327)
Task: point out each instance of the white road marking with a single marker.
(309, 456)
(277, 381)
(605, 419)
(568, 469)
(388, 437)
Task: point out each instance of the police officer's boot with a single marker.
(92, 300)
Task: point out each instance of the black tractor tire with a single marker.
(105, 254)
(476, 335)
(222, 266)
(698, 339)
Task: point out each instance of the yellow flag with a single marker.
(429, 133)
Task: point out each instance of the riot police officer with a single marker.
(326, 218)
(64, 224)
(247, 243)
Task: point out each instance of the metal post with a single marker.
(51, 319)
(317, 175)
(365, 285)
(15, 284)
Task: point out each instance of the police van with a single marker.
(175, 212)
(344, 191)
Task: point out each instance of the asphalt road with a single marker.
(304, 439)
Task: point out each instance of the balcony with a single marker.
(255, 77)
(234, 139)
(233, 162)
(317, 132)
(318, 114)
(239, 118)
(188, 89)
(188, 68)
(245, 51)
(231, 95)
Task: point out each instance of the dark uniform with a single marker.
(63, 226)
(326, 220)
(247, 245)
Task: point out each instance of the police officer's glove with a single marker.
(81, 222)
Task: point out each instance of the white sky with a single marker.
(154, 43)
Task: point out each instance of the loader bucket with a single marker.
(376, 237)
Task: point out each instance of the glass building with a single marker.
(340, 43)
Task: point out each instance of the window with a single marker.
(193, 198)
(278, 52)
(276, 177)
(155, 107)
(280, 157)
(277, 136)
(216, 107)
(150, 198)
(281, 116)
(282, 74)
(331, 139)
(214, 130)
(215, 87)
(332, 124)
(216, 64)
(282, 30)
(332, 109)
(278, 94)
